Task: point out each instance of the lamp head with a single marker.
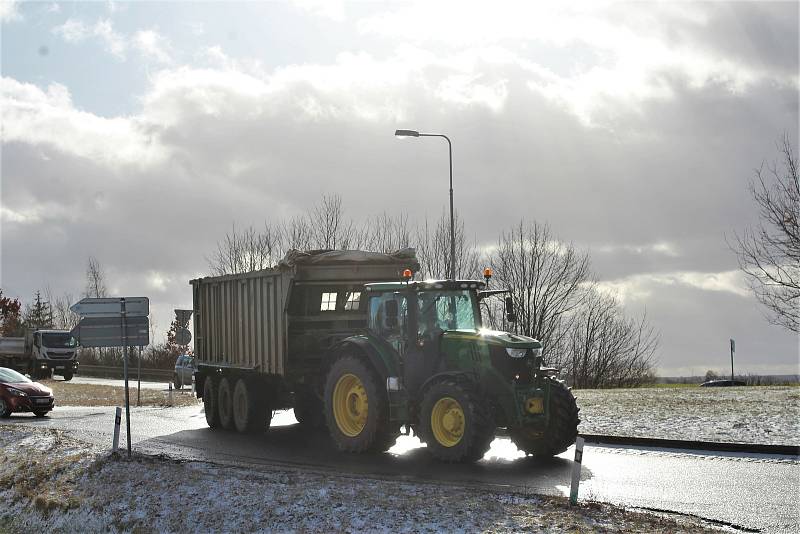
(406, 133)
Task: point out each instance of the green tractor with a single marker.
(426, 362)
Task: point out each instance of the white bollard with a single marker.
(170, 393)
(117, 421)
(576, 471)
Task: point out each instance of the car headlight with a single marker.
(537, 352)
(516, 353)
(17, 393)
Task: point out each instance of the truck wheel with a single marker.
(309, 411)
(250, 411)
(544, 442)
(177, 381)
(5, 411)
(356, 409)
(68, 376)
(210, 402)
(225, 404)
(455, 422)
(39, 413)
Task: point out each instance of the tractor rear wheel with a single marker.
(356, 408)
(544, 442)
(225, 403)
(210, 402)
(455, 422)
(250, 411)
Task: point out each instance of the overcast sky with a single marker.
(138, 133)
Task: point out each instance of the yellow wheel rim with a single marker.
(447, 421)
(350, 405)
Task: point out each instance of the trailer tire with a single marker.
(210, 402)
(455, 422)
(560, 432)
(250, 410)
(40, 413)
(356, 408)
(68, 376)
(225, 404)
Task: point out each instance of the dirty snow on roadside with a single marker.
(74, 487)
(759, 414)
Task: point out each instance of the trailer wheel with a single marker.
(210, 401)
(68, 376)
(544, 442)
(356, 409)
(225, 404)
(455, 422)
(250, 410)
(40, 413)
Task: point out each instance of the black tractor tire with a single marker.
(363, 408)
(561, 431)
(225, 403)
(68, 375)
(456, 422)
(40, 413)
(176, 381)
(251, 413)
(309, 410)
(210, 402)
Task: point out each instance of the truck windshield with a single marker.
(446, 310)
(59, 341)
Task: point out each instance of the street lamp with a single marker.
(414, 133)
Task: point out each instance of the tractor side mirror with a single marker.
(392, 311)
(511, 317)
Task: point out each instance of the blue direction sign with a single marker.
(107, 332)
(112, 307)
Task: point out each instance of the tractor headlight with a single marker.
(516, 353)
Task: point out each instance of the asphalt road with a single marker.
(754, 491)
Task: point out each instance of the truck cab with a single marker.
(53, 351)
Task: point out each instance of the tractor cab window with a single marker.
(388, 315)
(446, 310)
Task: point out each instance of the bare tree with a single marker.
(245, 251)
(769, 254)
(63, 317)
(328, 227)
(95, 279)
(383, 233)
(604, 348)
(547, 279)
(433, 249)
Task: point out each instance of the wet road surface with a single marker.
(750, 490)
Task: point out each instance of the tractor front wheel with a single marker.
(559, 434)
(455, 423)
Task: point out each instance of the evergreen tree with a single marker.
(38, 315)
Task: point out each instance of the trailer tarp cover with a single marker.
(330, 257)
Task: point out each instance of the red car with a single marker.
(18, 393)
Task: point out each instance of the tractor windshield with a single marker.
(446, 310)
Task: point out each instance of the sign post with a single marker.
(114, 322)
(733, 349)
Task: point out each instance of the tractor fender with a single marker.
(365, 347)
(455, 375)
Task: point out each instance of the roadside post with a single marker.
(117, 420)
(576, 471)
(139, 379)
(114, 322)
(733, 350)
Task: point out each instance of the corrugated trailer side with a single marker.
(240, 320)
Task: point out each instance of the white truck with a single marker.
(41, 353)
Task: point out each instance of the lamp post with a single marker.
(414, 133)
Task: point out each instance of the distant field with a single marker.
(756, 414)
(72, 394)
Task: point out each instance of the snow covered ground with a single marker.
(71, 486)
(760, 414)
